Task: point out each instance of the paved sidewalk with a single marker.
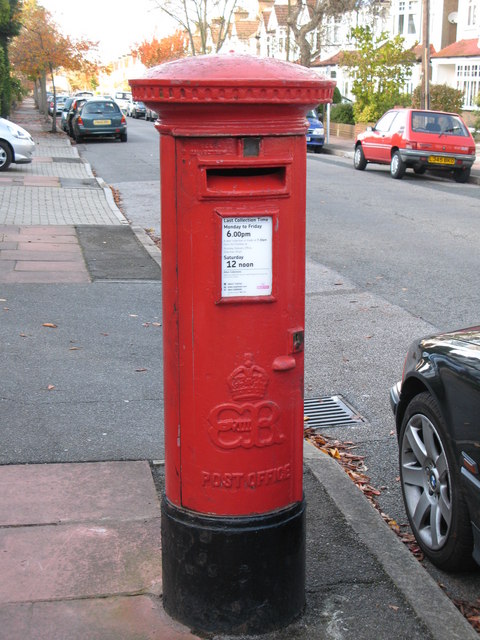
(43, 205)
(80, 543)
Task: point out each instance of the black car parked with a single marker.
(437, 413)
(75, 107)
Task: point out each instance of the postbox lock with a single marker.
(296, 340)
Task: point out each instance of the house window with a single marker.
(472, 13)
(336, 30)
(468, 81)
(407, 16)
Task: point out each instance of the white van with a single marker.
(122, 98)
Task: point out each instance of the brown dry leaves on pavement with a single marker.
(354, 466)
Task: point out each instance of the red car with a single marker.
(417, 139)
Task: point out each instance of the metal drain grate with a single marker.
(332, 411)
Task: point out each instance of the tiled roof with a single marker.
(336, 59)
(281, 11)
(418, 51)
(460, 49)
(246, 28)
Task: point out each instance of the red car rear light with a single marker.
(471, 150)
(410, 145)
(123, 120)
(80, 121)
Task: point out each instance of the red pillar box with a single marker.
(233, 171)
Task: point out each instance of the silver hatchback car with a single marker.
(16, 144)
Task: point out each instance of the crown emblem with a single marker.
(248, 381)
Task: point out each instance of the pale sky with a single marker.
(118, 26)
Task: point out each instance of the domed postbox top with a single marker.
(225, 86)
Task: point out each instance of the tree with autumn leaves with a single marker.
(155, 51)
(40, 50)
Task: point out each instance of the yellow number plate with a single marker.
(100, 122)
(441, 160)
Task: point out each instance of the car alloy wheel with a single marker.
(431, 487)
(397, 166)
(5, 156)
(359, 161)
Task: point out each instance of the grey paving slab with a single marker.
(77, 170)
(121, 618)
(55, 151)
(53, 494)
(21, 205)
(115, 253)
(84, 560)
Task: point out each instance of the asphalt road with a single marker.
(387, 261)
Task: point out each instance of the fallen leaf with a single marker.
(75, 348)
(50, 325)
(50, 387)
(141, 369)
(392, 606)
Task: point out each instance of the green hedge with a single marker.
(342, 113)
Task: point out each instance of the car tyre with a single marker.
(6, 156)
(431, 487)
(419, 170)
(397, 166)
(123, 137)
(359, 161)
(461, 175)
(77, 137)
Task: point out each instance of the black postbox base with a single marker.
(233, 574)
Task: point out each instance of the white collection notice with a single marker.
(246, 257)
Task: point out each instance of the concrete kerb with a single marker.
(430, 603)
(110, 200)
(148, 244)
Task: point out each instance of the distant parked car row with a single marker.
(137, 109)
(93, 117)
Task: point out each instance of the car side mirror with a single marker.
(370, 128)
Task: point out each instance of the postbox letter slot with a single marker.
(246, 180)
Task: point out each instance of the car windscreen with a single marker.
(101, 107)
(440, 123)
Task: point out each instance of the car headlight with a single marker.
(318, 131)
(18, 132)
